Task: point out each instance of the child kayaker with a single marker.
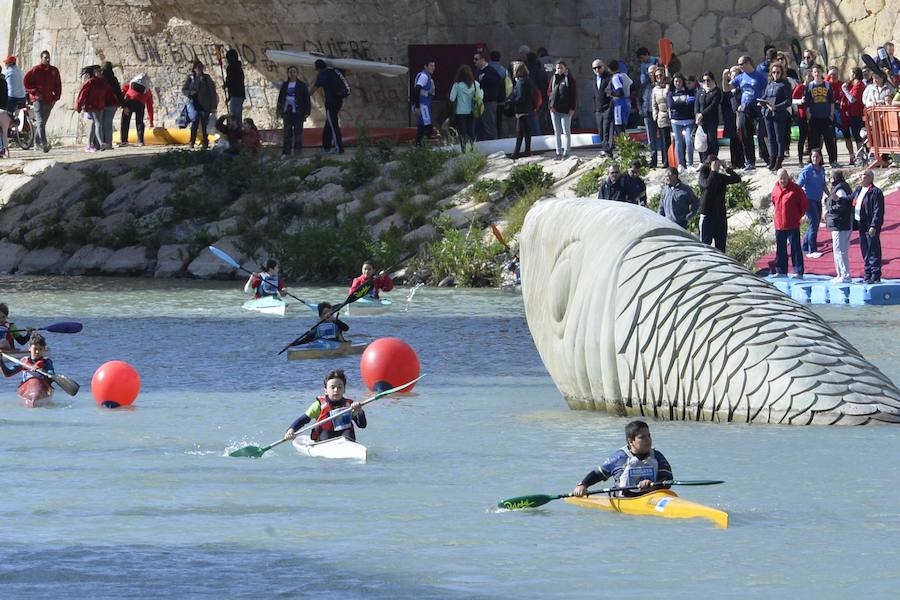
(382, 282)
(267, 282)
(637, 463)
(333, 328)
(321, 408)
(9, 335)
(36, 360)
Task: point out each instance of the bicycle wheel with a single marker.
(25, 135)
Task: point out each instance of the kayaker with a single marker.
(320, 409)
(333, 328)
(36, 360)
(382, 282)
(637, 463)
(9, 335)
(267, 282)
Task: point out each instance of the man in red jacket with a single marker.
(44, 87)
(790, 204)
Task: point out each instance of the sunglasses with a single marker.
(707, 80)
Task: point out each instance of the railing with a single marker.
(883, 132)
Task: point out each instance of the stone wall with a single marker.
(711, 34)
(161, 38)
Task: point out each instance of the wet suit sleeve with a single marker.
(360, 419)
(9, 371)
(311, 413)
(595, 476)
(665, 469)
(19, 335)
(341, 325)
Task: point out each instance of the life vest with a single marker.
(636, 470)
(42, 363)
(6, 334)
(328, 331)
(268, 285)
(336, 426)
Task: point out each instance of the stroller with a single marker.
(863, 156)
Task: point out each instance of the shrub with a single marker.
(481, 190)
(526, 177)
(464, 255)
(472, 164)
(515, 216)
(747, 245)
(740, 196)
(588, 185)
(99, 187)
(361, 169)
(420, 164)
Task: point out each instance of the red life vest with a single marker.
(340, 424)
(41, 363)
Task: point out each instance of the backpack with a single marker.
(507, 85)
(344, 89)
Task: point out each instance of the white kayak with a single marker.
(539, 143)
(325, 349)
(338, 448)
(369, 306)
(267, 305)
(308, 59)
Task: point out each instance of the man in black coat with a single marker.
(868, 201)
(602, 105)
(615, 187)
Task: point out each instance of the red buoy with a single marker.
(389, 362)
(116, 383)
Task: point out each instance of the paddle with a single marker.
(796, 51)
(870, 62)
(225, 257)
(67, 385)
(542, 499)
(823, 52)
(62, 327)
(222, 68)
(499, 237)
(256, 451)
(665, 52)
(358, 293)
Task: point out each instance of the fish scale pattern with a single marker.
(698, 337)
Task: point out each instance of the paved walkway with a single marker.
(890, 247)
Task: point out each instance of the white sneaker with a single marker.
(838, 279)
(814, 255)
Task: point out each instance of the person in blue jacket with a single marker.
(812, 180)
(868, 202)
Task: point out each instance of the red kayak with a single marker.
(35, 392)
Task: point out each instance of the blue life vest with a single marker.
(328, 331)
(268, 285)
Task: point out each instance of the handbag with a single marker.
(183, 120)
(701, 141)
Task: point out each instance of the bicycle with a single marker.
(24, 134)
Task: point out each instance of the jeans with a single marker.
(562, 125)
(292, 134)
(523, 133)
(41, 114)
(201, 121)
(487, 122)
(136, 108)
(653, 141)
(775, 138)
(534, 123)
(109, 115)
(714, 228)
(813, 213)
(840, 240)
(465, 128)
(95, 138)
(684, 137)
(236, 109)
(870, 245)
(331, 133)
(783, 237)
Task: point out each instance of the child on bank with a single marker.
(9, 335)
(383, 281)
(637, 463)
(321, 408)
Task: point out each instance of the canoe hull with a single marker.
(339, 448)
(662, 503)
(325, 349)
(35, 393)
(268, 305)
(308, 59)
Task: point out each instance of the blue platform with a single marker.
(818, 289)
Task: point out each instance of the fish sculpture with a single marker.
(633, 315)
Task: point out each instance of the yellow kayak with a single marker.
(661, 503)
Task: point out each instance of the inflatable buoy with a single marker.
(387, 363)
(116, 383)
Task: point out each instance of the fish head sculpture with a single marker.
(633, 315)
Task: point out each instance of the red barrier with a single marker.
(883, 132)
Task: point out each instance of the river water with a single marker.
(108, 504)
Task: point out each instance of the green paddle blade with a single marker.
(520, 502)
(248, 452)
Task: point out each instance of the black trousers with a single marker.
(605, 129)
(523, 133)
(136, 108)
(292, 139)
(819, 129)
(331, 133)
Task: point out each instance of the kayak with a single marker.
(369, 306)
(35, 392)
(325, 349)
(308, 59)
(338, 448)
(661, 503)
(267, 305)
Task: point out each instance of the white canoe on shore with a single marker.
(308, 59)
(267, 305)
(337, 448)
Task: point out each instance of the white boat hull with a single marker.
(308, 59)
(539, 143)
(267, 305)
(335, 448)
(367, 306)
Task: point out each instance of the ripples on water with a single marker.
(111, 503)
